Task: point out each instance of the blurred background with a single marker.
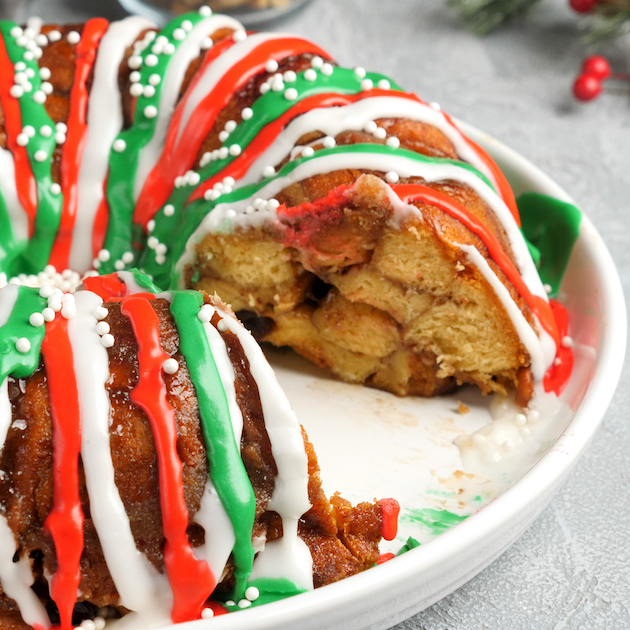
(572, 567)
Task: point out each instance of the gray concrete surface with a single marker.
(572, 567)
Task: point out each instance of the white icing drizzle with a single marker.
(289, 556)
(215, 71)
(131, 285)
(140, 586)
(542, 350)
(333, 120)
(16, 578)
(186, 52)
(8, 189)
(220, 539)
(105, 120)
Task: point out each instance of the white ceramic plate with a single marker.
(372, 444)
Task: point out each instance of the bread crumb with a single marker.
(462, 408)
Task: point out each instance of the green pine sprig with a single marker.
(608, 21)
(483, 16)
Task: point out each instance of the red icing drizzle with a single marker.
(108, 287)
(391, 509)
(178, 158)
(65, 521)
(24, 179)
(77, 134)
(558, 375)
(191, 580)
(424, 194)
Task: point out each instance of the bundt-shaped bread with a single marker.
(336, 213)
(148, 454)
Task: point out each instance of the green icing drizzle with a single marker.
(436, 521)
(193, 214)
(226, 466)
(271, 590)
(12, 361)
(123, 165)
(411, 543)
(552, 227)
(49, 206)
(8, 244)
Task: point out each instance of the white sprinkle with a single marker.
(99, 623)
(16, 32)
(205, 11)
(247, 113)
(104, 255)
(135, 89)
(155, 79)
(291, 94)
(54, 36)
(16, 91)
(36, 319)
(359, 72)
(87, 624)
(207, 613)
(310, 75)
(100, 312)
(230, 126)
(169, 49)
(187, 25)
(435, 106)
(28, 56)
(46, 130)
(239, 36)
(22, 139)
(39, 97)
(367, 84)
(22, 41)
(62, 127)
(223, 136)
(40, 156)
(252, 593)
(308, 152)
(135, 61)
(169, 210)
(329, 142)
(264, 88)
(23, 345)
(327, 69)
(20, 78)
(127, 258)
(271, 66)
(273, 204)
(48, 314)
(135, 76)
(277, 84)
(151, 60)
(107, 340)
(55, 188)
(235, 150)
(170, 366)
(60, 138)
(557, 361)
(393, 142)
(119, 145)
(289, 76)
(150, 111)
(317, 62)
(222, 326)
(74, 37)
(45, 73)
(548, 288)
(520, 419)
(205, 313)
(46, 291)
(370, 126)
(211, 195)
(206, 43)
(268, 171)
(193, 178)
(384, 84)
(380, 133)
(567, 342)
(150, 226)
(119, 265)
(179, 34)
(149, 91)
(392, 177)
(244, 603)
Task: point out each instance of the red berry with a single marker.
(582, 6)
(596, 65)
(587, 87)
